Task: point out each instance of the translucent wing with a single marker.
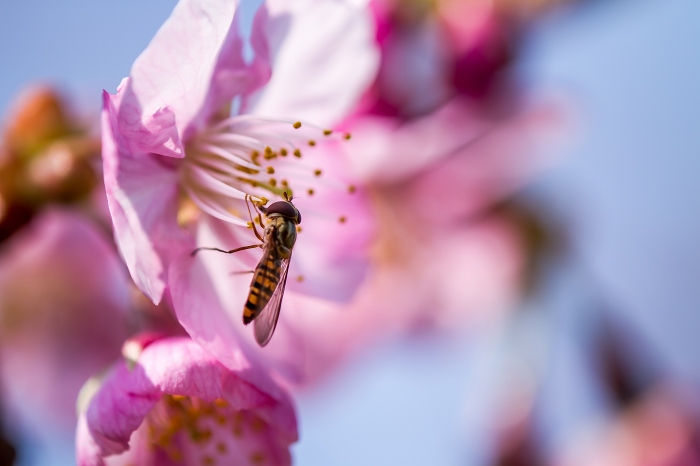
(266, 322)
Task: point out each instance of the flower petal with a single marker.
(324, 57)
(172, 366)
(142, 195)
(200, 312)
(64, 296)
(193, 65)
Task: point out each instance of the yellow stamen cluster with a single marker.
(211, 426)
(232, 156)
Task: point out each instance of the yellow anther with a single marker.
(327, 132)
(342, 219)
(347, 136)
(284, 183)
(352, 188)
(249, 225)
(270, 170)
(283, 152)
(298, 229)
(297, 153)
(273, 182)
(312, 142)
(310, 191)
(268, 150)
(317, 172)
(297, 125)
(300, 278)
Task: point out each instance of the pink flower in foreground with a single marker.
(178, 167)
(178, 405)
(64, 296)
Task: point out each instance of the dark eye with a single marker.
(298, 217)
(283, 208)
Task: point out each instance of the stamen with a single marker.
(342, 219)
(347, 136)
(352, 188)
(214, 211)
(206, 178)
(223, 164)
(204, 147)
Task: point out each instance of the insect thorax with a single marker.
(285, 234)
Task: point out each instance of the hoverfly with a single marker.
(270, 275)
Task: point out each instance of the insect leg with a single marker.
(224, 251)
(255, 229)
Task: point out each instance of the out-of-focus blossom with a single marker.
(178, 167)
(657, 430)
(46, 156)
(178, 405)
(63, 301)
(438, 162)
(433, 51)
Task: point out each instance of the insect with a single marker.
(270, 275)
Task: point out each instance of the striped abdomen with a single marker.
(265, 280)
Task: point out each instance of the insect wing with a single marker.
(266, 322)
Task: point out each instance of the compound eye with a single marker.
(298, 217)
(283, 208)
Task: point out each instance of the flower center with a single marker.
(193, 431)
(245, 155)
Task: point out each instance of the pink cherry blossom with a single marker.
(435, 51)
(63, 300)
(178, 166)
(178, 405)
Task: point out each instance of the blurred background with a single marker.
(598, 363)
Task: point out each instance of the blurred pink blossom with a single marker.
(434, 51)
(178, 166)
(178, 405)
(660, 429)
(63, 300)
